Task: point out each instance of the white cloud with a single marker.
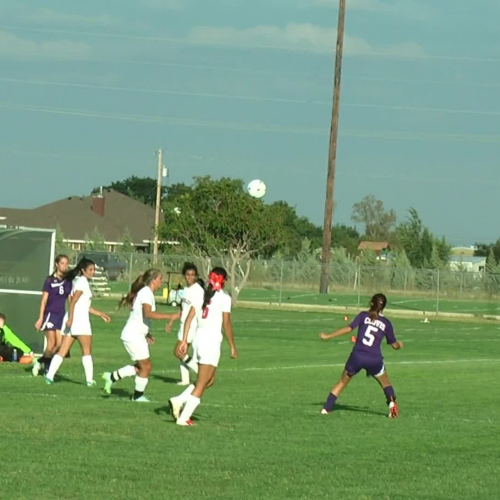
(14, 47)
(302, 37)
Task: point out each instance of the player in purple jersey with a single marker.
(367, 353)
(56, 291)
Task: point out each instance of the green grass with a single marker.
(259, 433)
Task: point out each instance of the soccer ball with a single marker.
(256, 189)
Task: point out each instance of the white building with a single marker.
(467, 263)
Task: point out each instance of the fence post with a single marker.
(293, 273)
(281, 282)
(359, 287)
(406, 279)
(437, 294)
(130, 269)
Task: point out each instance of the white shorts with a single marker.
(191, 334)
(207, 353)
(79, 327)
(138, 349)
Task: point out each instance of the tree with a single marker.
(409, 236)
(95, 242)
(127, 242)
(346, 237)
(377, 220)
(177, 190)
(142, 189)
(483, 249)
(61, 246)
(218, 221)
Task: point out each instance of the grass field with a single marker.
(401, 301)
(259, 433)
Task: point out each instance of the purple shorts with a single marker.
(357, 362)
(52, 321)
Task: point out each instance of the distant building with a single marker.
(467, 263)
(380, 248)
(464, 251)
(111, 213)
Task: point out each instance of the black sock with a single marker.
(115, 378)
(138, 394)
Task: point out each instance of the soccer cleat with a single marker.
(92, 383)
(175, 408)
(49, 381)
(35, 370)
(107, 382)
(393, 409)
(142, 399)
(325, 412)
(185, 423)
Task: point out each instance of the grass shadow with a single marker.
(164, 378)
(355, 409)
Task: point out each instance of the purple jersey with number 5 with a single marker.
(371, 333)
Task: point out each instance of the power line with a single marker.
(248, 98)
(287, 48)
(254, 127)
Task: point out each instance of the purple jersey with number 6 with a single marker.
(371, 333)
(58, 291)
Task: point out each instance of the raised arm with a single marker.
(338, 333)
(148, 313)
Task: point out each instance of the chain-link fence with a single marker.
(350, 285)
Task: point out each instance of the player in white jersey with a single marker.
(77, 321)
(193, 296)
(136, 335)
(214, 314)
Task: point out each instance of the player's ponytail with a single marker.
(77, 270)
(216, 280)
(377, 305)
(142, 281)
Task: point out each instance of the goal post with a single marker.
(26, 259)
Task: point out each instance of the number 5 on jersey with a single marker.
(369, 338)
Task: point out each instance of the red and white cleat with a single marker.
(175, 408)
(393, 409)
(185, 423)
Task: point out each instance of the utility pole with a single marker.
(332, 155)
(158, 205)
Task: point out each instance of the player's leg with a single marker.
(85, 342)
(144, 367)
(58, 358)
(43, 362)
(206, 376)
(383, 379)
(337, 389)
(138, 349)
(187, 364)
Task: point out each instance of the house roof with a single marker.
(76, 217)
(467, 259)
(376, 246)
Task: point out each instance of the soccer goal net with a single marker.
(26, 259)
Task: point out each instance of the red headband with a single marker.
(216, 280)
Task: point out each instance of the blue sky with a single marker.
(89, 90)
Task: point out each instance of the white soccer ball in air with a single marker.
(257, 188)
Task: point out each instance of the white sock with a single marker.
(182, 398)
(140, 383)
(126, 371)
(192, 403)
(184, 374)
(55, 364)
(190, 362)
(88, 366)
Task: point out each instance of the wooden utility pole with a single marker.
(332, 155)
(158, 205)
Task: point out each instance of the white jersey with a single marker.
(81, 319)
(210, 318)
(193, 297)
(137, 325)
